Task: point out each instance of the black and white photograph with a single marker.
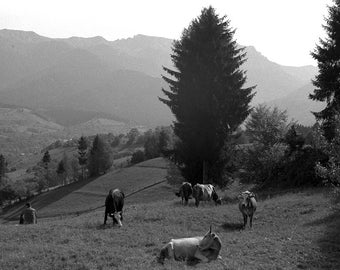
(182, 134)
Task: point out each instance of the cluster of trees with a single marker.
(92, 161)
(279, 155)
(94, 157)
(155, 143)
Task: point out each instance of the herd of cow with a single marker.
(203, 248)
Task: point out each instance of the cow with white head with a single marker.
(204, 248)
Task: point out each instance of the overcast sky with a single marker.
(285, 31)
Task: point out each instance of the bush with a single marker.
(137, 157)
(261, 164)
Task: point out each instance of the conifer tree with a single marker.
(206, 95)
(100, 157)
(327, 82)
(82, 152)
(61, 170)
(46, 160)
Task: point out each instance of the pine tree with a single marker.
(61, 170)
(46, 160)
(82, 152)
(327, 82)
(207, 94)
(99, 158)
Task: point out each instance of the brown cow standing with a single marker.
(29, 215)
(247, 206)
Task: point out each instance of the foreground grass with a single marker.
(290, 231)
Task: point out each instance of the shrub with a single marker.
(261, 164)
(137, 157)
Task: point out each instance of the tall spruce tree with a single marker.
(100, 157)
(82, 155)
(327, 82)
(61, 171)
(46, 160)
(207, 94)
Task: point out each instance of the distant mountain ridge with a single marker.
(120, 78)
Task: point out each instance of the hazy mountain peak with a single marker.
(22, 36)
(81, 42)
(143, 42)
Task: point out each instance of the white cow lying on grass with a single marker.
(204, 248)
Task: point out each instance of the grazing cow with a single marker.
(185, 192)
(21, 219)
(205, 193)
(114, 206)
(204, 248)
(247, 206)
(28, 215)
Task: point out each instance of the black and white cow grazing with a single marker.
(185, 192)
(205, 193)
(114, 206)
(247, 205)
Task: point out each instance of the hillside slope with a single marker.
(82, 196)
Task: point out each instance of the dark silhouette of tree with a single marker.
(82, 155)
(137, 156)
(151, 147)
(163, 141)
(294, 140)
(327, 82)
(206, 95)
(46, 160)
(61, 171)
(100, 157)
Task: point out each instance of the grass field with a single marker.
(90, 194)
(291, 231)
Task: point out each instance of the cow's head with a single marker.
(207, 240)
(245, 197)
(118, 218)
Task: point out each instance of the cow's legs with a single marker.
(114, 220)
(121, 215)
(197, 202)
(251, 220)
(186, 201)
(105, 218)
(245, 217)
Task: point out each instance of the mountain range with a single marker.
(122, 79)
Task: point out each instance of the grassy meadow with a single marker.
(291, 231)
